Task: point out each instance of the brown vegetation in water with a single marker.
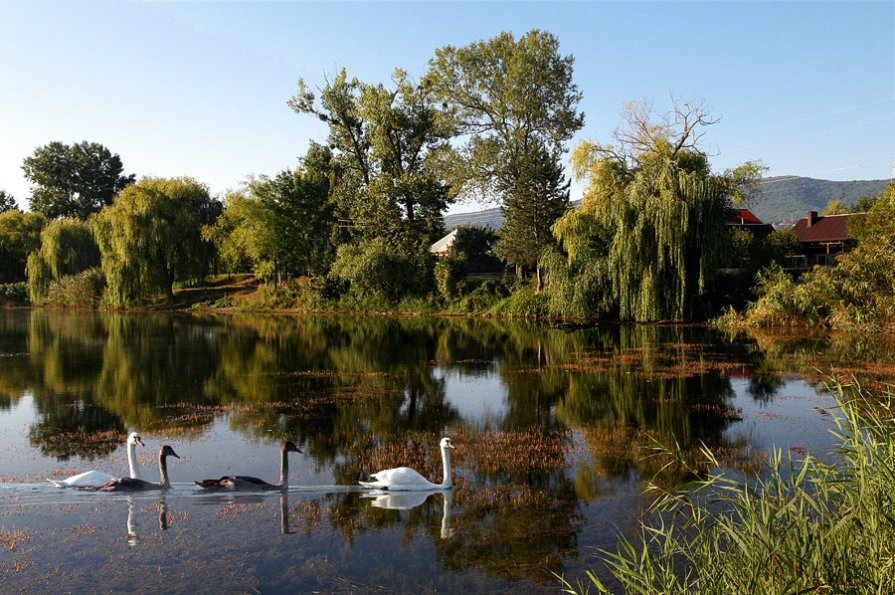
(60, 444)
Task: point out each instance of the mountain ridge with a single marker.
(781, 198)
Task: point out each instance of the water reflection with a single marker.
(133, 537)
(551, 424)
(409, 500)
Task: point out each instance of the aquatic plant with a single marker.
(801, 526)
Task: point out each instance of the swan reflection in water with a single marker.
(228, 498)
(133, 538)
(409, 500)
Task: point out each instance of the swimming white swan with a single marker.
(98, 478)
(246, 483)
(129, 484)
(405, 479)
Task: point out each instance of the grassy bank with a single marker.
(801, 527)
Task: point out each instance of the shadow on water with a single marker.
(552, 428)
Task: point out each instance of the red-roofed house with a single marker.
(824, 237)
(743, 217)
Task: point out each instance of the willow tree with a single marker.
(67, 247)
(150, 238)
(19, 236)
(658, 211)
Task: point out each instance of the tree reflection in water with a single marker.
(579, 411)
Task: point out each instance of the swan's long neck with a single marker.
(132, 460)
(284, 468)
(446, 461)
(163, 470)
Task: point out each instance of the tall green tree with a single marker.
(654, 213)
(388, 142)
(66, 248)
(7, 202)
(516, 104)
(281, 226)
(535, 196)
(150, 238)
(19, 236)
(74, 180)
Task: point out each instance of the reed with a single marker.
(801, 526)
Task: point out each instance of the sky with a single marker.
(200, 89)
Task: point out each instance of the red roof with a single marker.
(743, 217)
(832, 228)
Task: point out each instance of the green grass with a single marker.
(801, 527)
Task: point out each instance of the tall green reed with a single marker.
(801, 526)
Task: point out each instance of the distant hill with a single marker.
(782, 197)
(791, 197)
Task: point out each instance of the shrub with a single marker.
(524, 302)
(83, 290)
(379, 272)
(450, 272)
(14, 294)
(484, 297)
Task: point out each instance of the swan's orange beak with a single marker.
(139, 441)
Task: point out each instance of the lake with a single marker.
(553, 427)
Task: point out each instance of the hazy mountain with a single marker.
(782, 197)
(791, 197)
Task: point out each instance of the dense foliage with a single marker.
(150, 239)
(279, 227)
(66, 248)
(856, 293)
(379, 271)
(651, 226)
(387, 145)
(19, 236)
(7, 202)
(516, 104)
(74, 180)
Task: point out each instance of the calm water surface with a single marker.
(551, 425)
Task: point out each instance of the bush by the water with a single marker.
(801, 527)
(379, 272)
(14, 294)
(83, 290)
(855, 294)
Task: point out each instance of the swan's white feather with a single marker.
(399, 479)
(95, 479)
(88, 479)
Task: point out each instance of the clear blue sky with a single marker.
(200, 89)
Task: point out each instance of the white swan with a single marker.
(246, 483)
(129, 484)
(405, 479)
(97, 478)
